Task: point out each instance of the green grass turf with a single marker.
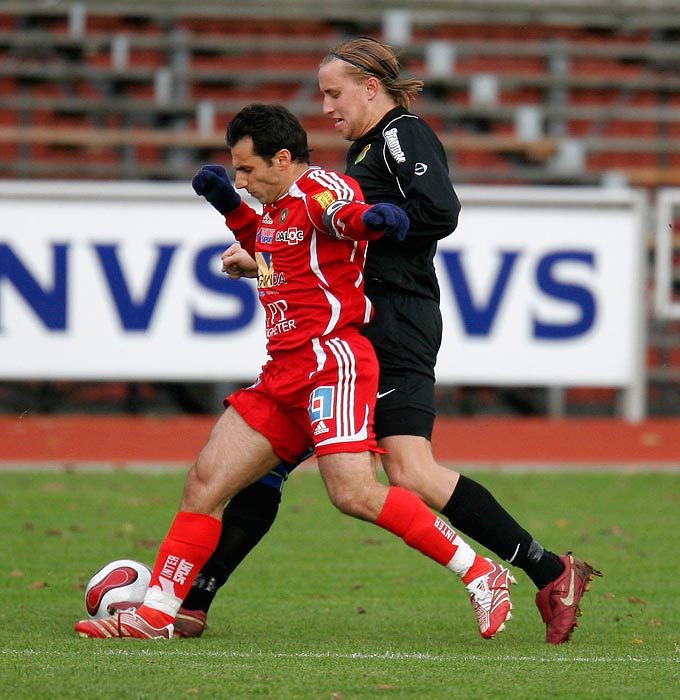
(330, 607)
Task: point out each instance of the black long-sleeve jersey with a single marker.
(402, 161)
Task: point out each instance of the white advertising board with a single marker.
(119, 281)
(666, 304)
(122, 281)
(543, 287)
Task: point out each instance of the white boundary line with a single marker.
(386, 655)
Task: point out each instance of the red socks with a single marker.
(191, 540)
(406, 516)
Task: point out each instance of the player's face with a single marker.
(263, 180)
(345, 100)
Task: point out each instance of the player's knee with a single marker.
(406, 477)
(206, 489)
(198, 495)
(351, 500)
(342, 499)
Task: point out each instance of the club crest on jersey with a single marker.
(325, 199)
(266, 275)
(362, 155)
(291, 235)
(284, 216)
(392, 140)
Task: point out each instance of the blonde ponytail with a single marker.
(370, 57)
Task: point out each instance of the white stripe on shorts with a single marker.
(345, 394)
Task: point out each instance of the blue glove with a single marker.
(212, 182)
(389, 218)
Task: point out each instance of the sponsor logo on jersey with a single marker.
(266, 235)
(267, 219)
(392, 139)
(420, 169)
(292, 236)
(277, 318)
(284, 216)
(362, 155)
(266, 275)
(325, 199)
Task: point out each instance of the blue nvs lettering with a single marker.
(134, 315)
(48, 303)
(50, 300)
(478, 317)
(242, 290)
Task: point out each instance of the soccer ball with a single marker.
(123, 580)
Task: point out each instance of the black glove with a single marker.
(212, 182)
(388, 218)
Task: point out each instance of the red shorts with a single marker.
(322, 396)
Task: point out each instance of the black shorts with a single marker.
(406, 333)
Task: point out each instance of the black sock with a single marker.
(246, 520)
(476, 513)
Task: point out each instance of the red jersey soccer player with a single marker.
(319, 387)
(297, 258)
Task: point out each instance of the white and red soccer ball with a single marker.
(120, 581)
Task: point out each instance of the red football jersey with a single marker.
(310, 248)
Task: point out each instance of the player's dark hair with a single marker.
(365, 57)
(271, 127)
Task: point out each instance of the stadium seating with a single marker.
(520, 92)
(176, 75)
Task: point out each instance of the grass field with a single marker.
(329, 607)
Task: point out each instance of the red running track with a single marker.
(124, 439)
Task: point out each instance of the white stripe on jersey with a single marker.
(314, 259)
(336, 307)
(333, 302)
(386, 148)
(333, 182)
(320, 356)
(369, 309)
